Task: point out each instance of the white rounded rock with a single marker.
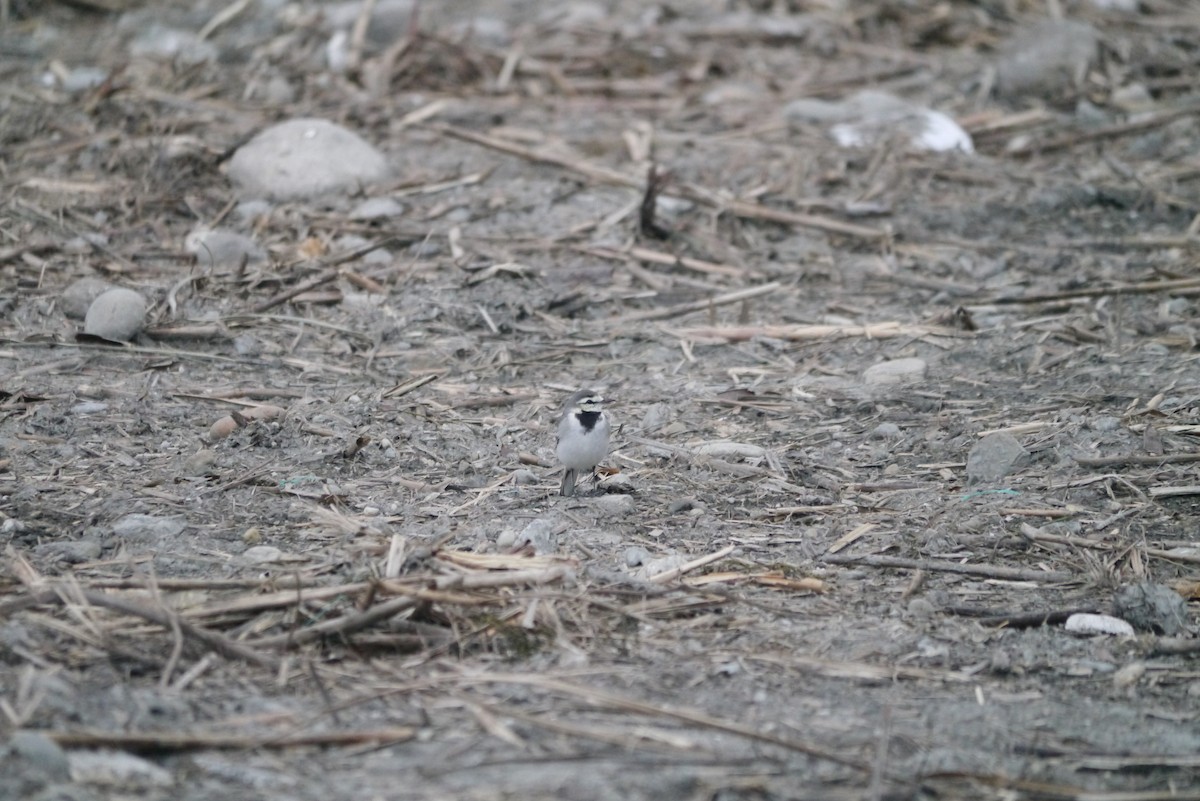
(897, 371)
(118, 314)
(1086, 623)
(305, 158)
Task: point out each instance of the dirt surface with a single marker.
(796, 580)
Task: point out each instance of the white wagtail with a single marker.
(582, 436)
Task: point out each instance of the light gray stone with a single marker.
(77, 297)
(1046, 58)
(222, 248)
(144, 528)
(1152, 607)
(994, 457)
(42, 753)
(897, 371)
(118, 315)
(377, 208)
(305, 158)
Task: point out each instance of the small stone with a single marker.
(223, 249)
(921, 608)
(540, 534)
(486, 30)
(248, 211)
(1152, 607)
(247, 345)
(663, 564)
(524, 477)
(389, 21)
(81, 79)
(116, 315)
(252, 535)
(71, 552)
(1046, 59)
(377, 208)
(77, 297)
(173, 44)
(994, 457)
(1126, 6)
(305, 158)
(1134, 97)
(1105, 423)
(886, 431)
(870, 116)
(731, 450)
(897, 371)
(42, 753)
(89, 407)
(110, 768)
(1129, 675)
(635, 556)
(616, 483)
(84, 244)
(1085, 623)
(200, 463)
(658, 415)
(263, 554)
(616, 505)
(148, 528)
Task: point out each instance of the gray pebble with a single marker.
(636, 555)
(616, 505)
(116, 315)
(159, 41)
(80, 79)
(376, 208)
(886, 431)
(921, 608)
(1152, 607)
(250, 210)
(199, 463)
(144, 528)
(305, 158)
(77, 297)
(71, 552)
(42, 753)
(222, 248)
(525, 477)
(897, 371)
(1045, 59)
(246, 345)
(994, 457)
(89, 407)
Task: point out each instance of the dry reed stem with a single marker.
(174, 741)
(799, 333)
(608, 700)
(692, 192)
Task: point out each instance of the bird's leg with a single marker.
(568, 482)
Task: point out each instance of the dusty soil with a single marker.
(428, 619)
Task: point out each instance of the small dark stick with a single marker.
(655, 181)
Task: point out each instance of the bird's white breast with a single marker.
(579, 449)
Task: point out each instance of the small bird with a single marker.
(582, 436)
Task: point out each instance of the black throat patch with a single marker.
(588, 420)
